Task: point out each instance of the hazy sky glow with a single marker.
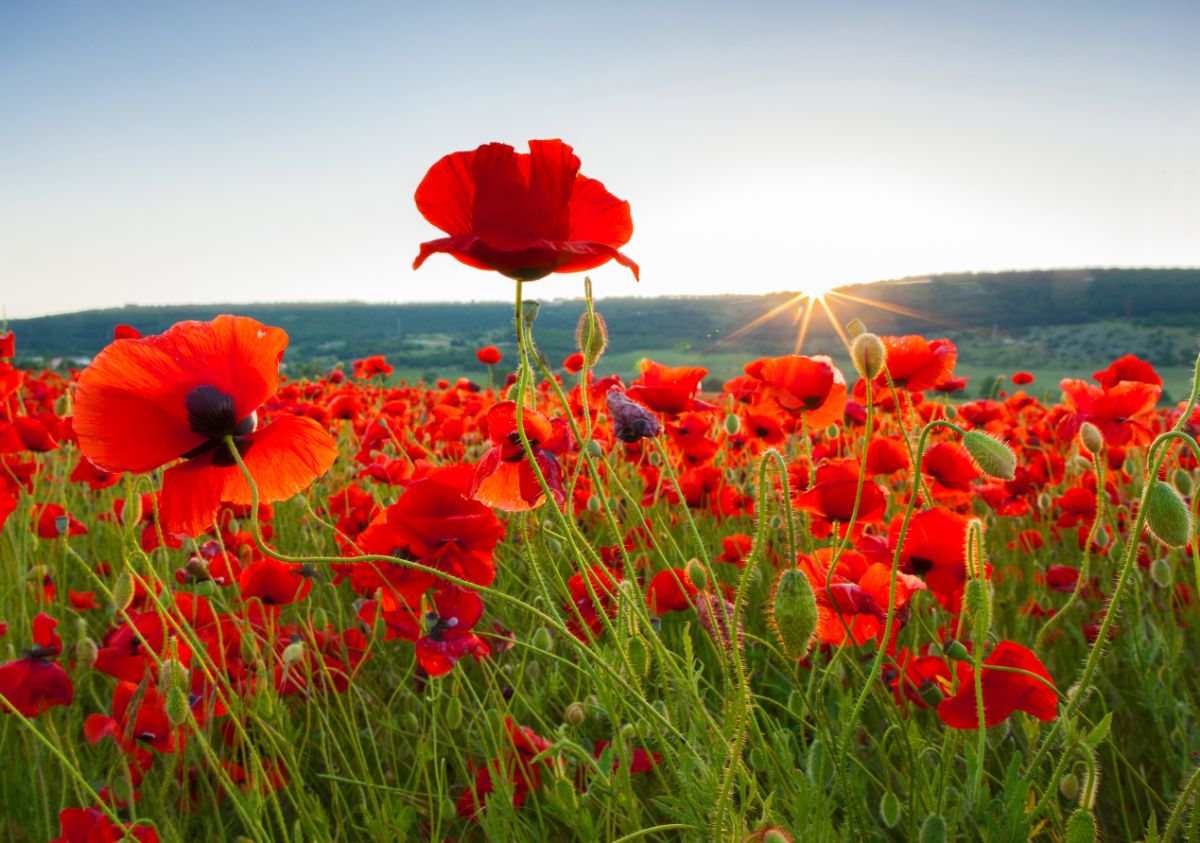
(203, 152)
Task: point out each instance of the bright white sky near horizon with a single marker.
(157, 153)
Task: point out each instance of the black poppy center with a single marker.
(211, 414)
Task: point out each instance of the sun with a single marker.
(817, 288)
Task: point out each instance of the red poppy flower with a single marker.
(853, 607)
(449, 636)
(26, 433)
(1003, 692)
(812, 385)
(670, 591)
(91, 825)
(1127, 368)
(668, 390)
(273, 582)
(139, 720)
(34, 683)
(503, 478)
(370, 367)
(917, 364)
(489, 355)
(146, 402)
(126, 332)
(445, 528)
(935, 548)
(1121, 412)
(573, 363)
(8, 344)
(886, 455)
(522, 215)
(1022, 378)
(832, 497)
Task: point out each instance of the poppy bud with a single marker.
(889, 809)
(597, 330)
(543, 640)
(593, 503)
(564, 791)
(1160, 572)
(732, 424)
(994, 458)
(172, 674)
(1081, 827)
(869, 355)
(86, 651)
(1168, 515)
(793, 613)
(454, 712)
(776, 835)
(855, 328)
(977, 601)
(554, 546)
(1183, 482)
(696, 574)
(177, 706)
(639, 656)
(831, 432)
(1068, 786)
(132, 513)
(593, 448)
(575, 714)
(122, 592)
(293, 652)
(933, 830)
(955, 651)
(631, 421)
(1091, 437)
(62, 407)
(529, 311)
(320, 618)
(950, 412)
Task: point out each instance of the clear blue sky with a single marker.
(199, 152)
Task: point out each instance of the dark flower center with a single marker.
(211, 414)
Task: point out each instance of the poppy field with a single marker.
(548, 603)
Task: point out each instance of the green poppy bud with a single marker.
(1081, 827)
(1168, 515)
(732, 424)
(1091, 437)
(793, 613)
(177, 706)
(1183, 482)
(869, 355)
(889, 809)
(575, 714)
(1068, 786)
(122, 592)
(454, 712)
(994, 458)
(933, 830)
(543, 640)
(597, 330)
(1160, 572)
(696, 574)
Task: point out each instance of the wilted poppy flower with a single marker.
(34, 683)
(1004, 692)
(143, 403)
(503, 478)
(631, 421)
(522, 215)
(489, 355)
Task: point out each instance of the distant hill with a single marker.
(1014, 319)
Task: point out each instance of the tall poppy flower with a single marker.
(667, 389)
(812, 385)
(524, 215)
(143, 403)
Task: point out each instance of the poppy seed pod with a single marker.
(1091, 437)
(591, 336)
(793, 613)
(869, 355)
(631, 421)
(994, 458)
(1168, 515)
(955, 651)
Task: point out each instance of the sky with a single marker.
(158, 153)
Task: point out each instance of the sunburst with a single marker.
(821, 296)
